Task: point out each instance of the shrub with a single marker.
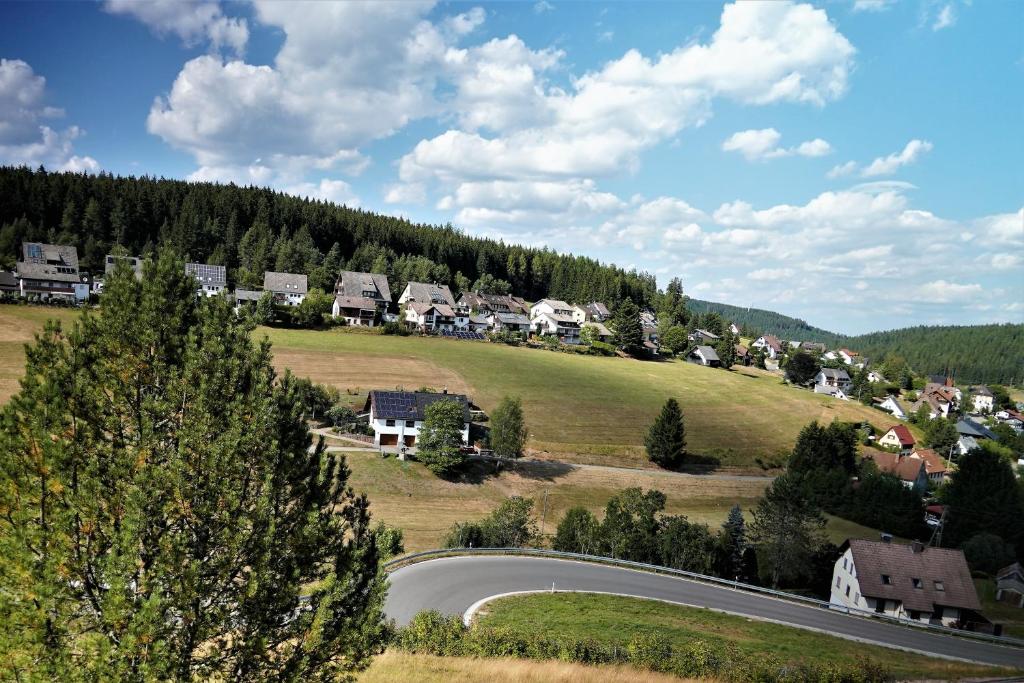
(600, 348)
(396, 328)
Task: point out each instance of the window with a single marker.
(838, 579)
(939, 586)
(918, 583)
(915, 615)
(879, 606)
(847, 591)
(856, 597)
(886, 579)
(389, 423)
(844, 563)
(410, 423)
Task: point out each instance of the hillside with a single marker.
(768, 322)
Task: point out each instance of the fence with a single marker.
(726, 583)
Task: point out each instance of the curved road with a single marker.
(452, 585)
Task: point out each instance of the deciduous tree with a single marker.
(440, 439)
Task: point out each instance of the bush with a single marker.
(600, 348)
(988, 553)
(510, 525)
(395, 328)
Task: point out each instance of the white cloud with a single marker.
(761, 144)
(945, 18)
(890, 164)
(542, 6)
(872, 5)
(405, 193)
(1003, 230)
(192, 22)
(1005, 261)
(24, 137)
(841, 170)
(771, 274)
(943, 292)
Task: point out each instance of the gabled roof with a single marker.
(602, 331)
(968, 427)
(477, 319)
(829, 390)
(906, 468)
(565, 320)
(512, 318)
(352, 284)
(284, 283)
(429, 293)
(421, 308)
(933, 462)
(742, 350)
(56, 262)
(707, 353)
(208, 275)
(247, 295)
(833, 373)
(981, 390)
(409, 405)
(902, 564)
(363, 303)
(705, 333)
(8, 280)
(902, 434)
(773, 342)
(598, 308)
(555, 304)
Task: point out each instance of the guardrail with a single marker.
(725, 583)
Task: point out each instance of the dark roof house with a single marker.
(423, 292)
(284, 283)
(363, 286)
(52, 262)
(409, 405)
(207, 275)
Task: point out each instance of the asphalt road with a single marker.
(451, 585)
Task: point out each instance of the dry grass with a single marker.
(395, 666)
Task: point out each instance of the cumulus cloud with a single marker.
(192, 22)
(25, 136)
(943, 292)
(890, 164)
(945, 18)
(760, 144)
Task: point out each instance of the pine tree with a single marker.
(787, 530)
(441, 437)
(629, 334)
(734, 543)
(666, 439)
(508, 429)
(163, 510)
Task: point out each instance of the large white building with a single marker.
(289, 289)
(929, 585)
(555, 318)
(397, 416)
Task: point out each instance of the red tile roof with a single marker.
(906, 468)
(903, 434)
(932, 461)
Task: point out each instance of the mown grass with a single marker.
(614, 619)
(394, 666)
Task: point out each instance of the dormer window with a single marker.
(886, 579)
(918, 583)
(939, 586)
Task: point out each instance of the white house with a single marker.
(831, 377)
(897, 437)
(359, 296)
(893, 406)
(771, 345)
(556, 318)
(735, 330)
(397, 416)
(928, 585)
(703, 337)
(875, 377)
(355, 310)
(705, 355)
(834, 392)
(210, 280)
(289, 289)
(424, 293)
(982, 399)
(428, 317)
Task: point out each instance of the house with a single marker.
(598, 312)
(600, 332)
(899, 438)
(831, 377)
(951, 395)
(554, 317)
(485, 304)
(110, 264)
(509, 322)
(849, 357)
(833, 391)
(743, 355)
(210, 280)
(50, 271)
(913, 472)
(397, 416)
(812, 347)
(705, 355)
(876, 377)
(649, 329)
(476, 323)
(939, 399)
(968, 427)
(966, 444)
(8, 283)
(353, 291)
(428, 317)
(289, 289)
(934, 466)
(771, 345)
(1010, 584)
(246, 297)
(735, 330)
(928, 585)
(892, 405)
(703, 337)
(424, 293)
(982, 399)
(1011, 418)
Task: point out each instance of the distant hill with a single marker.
(972, 353)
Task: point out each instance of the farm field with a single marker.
(615, 619)
(578, 408)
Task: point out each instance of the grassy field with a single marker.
(608, 618)
(401, 666)
(578, 408)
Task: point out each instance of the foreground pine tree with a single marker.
(666, 439)
(162, 512)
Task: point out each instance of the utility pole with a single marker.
(544, 515)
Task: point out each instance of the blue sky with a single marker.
(855, 163)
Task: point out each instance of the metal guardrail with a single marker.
(399, 562)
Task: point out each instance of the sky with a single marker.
(856, 163)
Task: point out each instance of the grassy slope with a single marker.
(401, 666)
(616, 619)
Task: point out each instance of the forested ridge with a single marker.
(250, 230)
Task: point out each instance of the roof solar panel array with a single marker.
(463, 334)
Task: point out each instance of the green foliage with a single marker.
(940, 434)
(1000, 398)
(988, 553)
(488, 284)
(440, 439)
(314, 399)
(734, 544)
(666, 440)
(163, 511)
(625, 323)
(687, 545)
(263, 312)
(801, 368)
(510, 525)
(725, 348)
(832, 447)
(390, 541)
(341, 416)
(630, 527)
(395, 328)
(508, 429)
(983, 496)
(311, 311)
(578, 532)
(674, 340)
(787, 530)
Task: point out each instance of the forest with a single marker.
(250, 230)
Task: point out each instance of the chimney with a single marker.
(886, 538)
(918, 547)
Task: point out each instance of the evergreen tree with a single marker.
(801, 368)
(163, 510)
(983, 496)
(787, 531)
(629, 334)
(734, 543)
(829, 448)
(725, 349)
(440, 439)
(508, 429)
(940, 434)
(666, 439)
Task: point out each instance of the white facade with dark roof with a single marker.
(210, 280)
(289, 289)
(831, 377)
(50, 271)
(424, 293)
(397, 416)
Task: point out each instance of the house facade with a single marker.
(359, 296)
(397, 416)
(355, 310)
(210, 280)
(554, 317)
(893, 406)
(111, 261)
(771, 345)
(982, 399)
(423, 293)
(50, 271)
(703, 337)
(485, 304)
(927, 585)
(289, 289)
(831, 377)
(598, 331)
(833, 391)
(427, 317)
(509, 322)
(705, 355)
(898, 437)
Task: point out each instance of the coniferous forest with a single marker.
(251, 230)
